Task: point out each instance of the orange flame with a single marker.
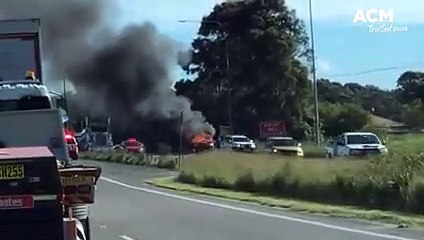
(202, 138)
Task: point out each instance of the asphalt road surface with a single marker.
(128, 209)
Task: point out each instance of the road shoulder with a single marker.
(399, 219)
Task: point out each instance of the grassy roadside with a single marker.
(415, 221)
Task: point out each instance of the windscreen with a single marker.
(71, 141)
(362, 139)
(284, 142)
(132, 144)
(99, 128)
(240, 139)
(25, 103)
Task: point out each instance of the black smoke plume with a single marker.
(120, 72)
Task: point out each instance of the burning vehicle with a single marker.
(202, 142)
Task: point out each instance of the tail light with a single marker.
(60, 197)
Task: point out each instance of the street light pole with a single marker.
(227, 66)
(317, 130)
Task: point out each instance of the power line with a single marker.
(374, 70)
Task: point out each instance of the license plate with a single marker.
(79, 180)
(12, 172)
(16, 202)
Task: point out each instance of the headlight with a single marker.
(274, 150)
(383, 150)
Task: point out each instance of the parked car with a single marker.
(72, 146)
(238, 143)
(131, 145)
(285, 145)
(355, 144)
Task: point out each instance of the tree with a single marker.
(266, 45)
(371, 98)
(411, 86)
(338, 118)
(414, 116)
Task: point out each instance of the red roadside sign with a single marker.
(272, 128)
(16, 202)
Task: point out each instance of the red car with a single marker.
(72, 146)
(133, 146)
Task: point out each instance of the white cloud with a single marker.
(323, 66)
(405, 11)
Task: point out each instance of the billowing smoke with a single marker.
(126, 73)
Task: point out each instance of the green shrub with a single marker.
(245, 182)
(214, 182)
(166, 162)
(185, 177)
(313, 151)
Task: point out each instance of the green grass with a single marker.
(296, 205)
(392, 182)
(230, 165)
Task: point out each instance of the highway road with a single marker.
(128, 209)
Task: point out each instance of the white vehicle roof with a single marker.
(237, 136)
(18, 89)
(358, 133)
(280, 138)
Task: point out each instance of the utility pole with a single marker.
(227, 67)
(180, 154)
(317, 130)
(66, 101)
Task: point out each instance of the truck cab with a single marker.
(23, 95)
(355, 144)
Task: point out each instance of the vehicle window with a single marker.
(284, 142)
(25, 103)
(362, 139)
(98, 129)
(131, 144)
(71, 141)
(240, 139)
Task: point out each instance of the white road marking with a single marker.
(126, 237)
(102, 226)
(282, 217)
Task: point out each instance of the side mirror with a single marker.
(340, 143)
(384, 142)
(299, 144)
(251, 141)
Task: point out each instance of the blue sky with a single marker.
(343, 48)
